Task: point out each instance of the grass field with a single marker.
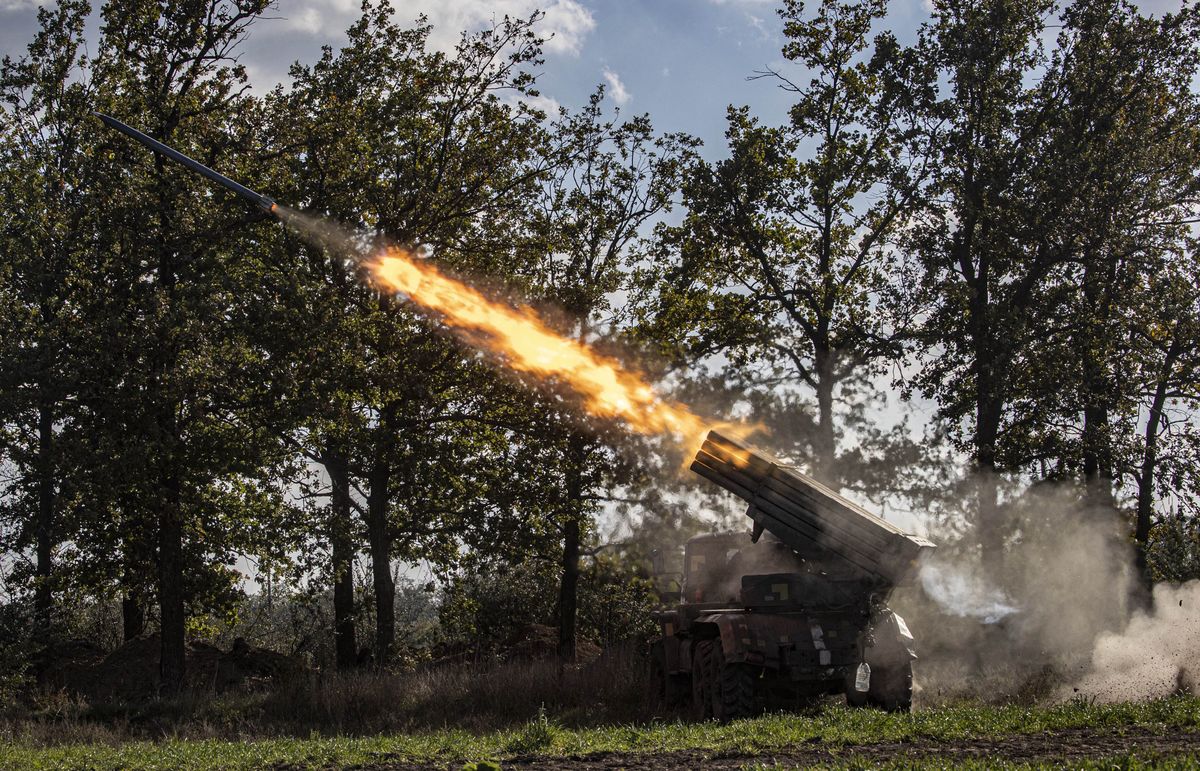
(830, 728)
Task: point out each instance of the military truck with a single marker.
(792, 610)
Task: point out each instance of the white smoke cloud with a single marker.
(1026, 627)
(960, 591)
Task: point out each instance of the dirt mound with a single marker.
(533, 642)
(130, 673)
(537, 642)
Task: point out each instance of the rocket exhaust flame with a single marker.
(518, 336)
(526, 344)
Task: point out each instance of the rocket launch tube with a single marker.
(263, 201)
(807, 515)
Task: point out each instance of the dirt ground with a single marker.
(1046, 748)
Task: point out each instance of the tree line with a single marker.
(995, 218)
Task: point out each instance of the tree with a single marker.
(1131, 127)
(985, 279)
(47, 193)
(1124, 150)
(417, 149)
(1049, 167)
(619, 177)
(1168, 374)
(785, 261)
(195, 394)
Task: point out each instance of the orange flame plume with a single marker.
(526, 344)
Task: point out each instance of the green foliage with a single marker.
(495, 603)
(535, 736)
(1174, 550)
(17, 649)
(783, 262)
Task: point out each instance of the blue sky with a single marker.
(683, 61)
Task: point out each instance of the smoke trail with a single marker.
(328, 235)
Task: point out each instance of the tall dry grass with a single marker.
(475, 697)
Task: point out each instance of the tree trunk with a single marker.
(341, 547)
(1097, 461)
(989, 528)
(380, 539)
(1098, 280)
(1145, 493)
(989, 408)
(568, 591)
(989, 524)
(133, 618)
(173, 619)
(825, 444)
(171, 600)
(44, 530)
(133, 615)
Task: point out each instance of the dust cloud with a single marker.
(1155, 655)
(1057, 618)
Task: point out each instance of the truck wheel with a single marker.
(735, 698)
(703, 682)
(892, 687)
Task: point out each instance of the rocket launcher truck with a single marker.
(793, 610)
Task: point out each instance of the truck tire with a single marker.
(735, 698)
(892, 688)
(704, 683)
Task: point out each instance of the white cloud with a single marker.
(619, 93)
(570, 22)
(546, 104)
(760, 26)
(566, 23)
(20, 5)
(319, 17)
